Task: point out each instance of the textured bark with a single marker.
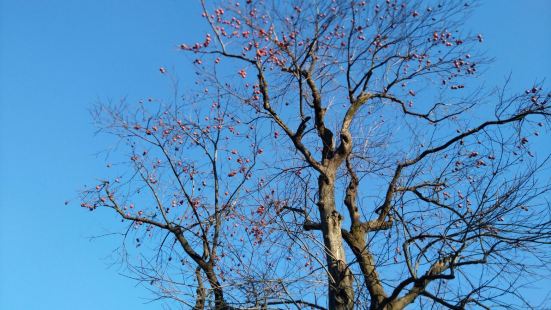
(341, 291)
(201, 291)
(356, 241)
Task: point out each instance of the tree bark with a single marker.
(207, 267)
(219, 303)
(201, 291)
(341, 291)
(356, 241)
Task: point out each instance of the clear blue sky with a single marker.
(57, 58)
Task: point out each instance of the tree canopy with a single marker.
(334, 155)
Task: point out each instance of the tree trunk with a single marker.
(207, 267)
(341, 291)
(356, 242)
(201, 291)
(219, 302)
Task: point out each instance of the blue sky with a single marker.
(57, 58)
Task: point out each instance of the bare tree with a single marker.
(391, 175)
(177, 189)
(200, 221)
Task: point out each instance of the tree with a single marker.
(395, 176)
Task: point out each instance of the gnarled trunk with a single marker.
(341, 291)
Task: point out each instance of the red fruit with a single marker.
(479, 37)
